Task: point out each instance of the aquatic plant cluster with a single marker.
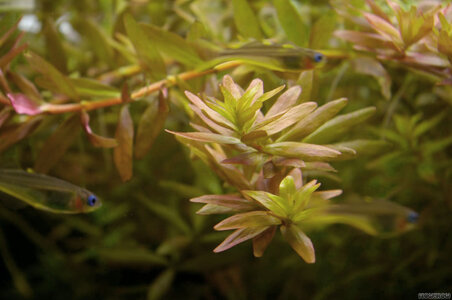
(134, 135)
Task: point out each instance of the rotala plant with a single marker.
(265, 153)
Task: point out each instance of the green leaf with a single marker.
(147, 51)
(314, 120)
(172, 45)
(134, 256)
(54, 47)
(335, 128)
(291, 21)
(87, 87)
(300, 242)
(248, 219)
(61, 83)
(305, 81)
(272, 202)
(245, 20)
(96, 37)
(161, 285)
(57, 144)
(287, 189)
(303, 195)
(165, 212)
(426, 125)
(123, 153)
(309, 152)
(366, 147)
(322, 31)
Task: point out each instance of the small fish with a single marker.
(47, 193)
(277, 57)
(289, 57)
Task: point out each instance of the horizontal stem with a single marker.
(156, 86)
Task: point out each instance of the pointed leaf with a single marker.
(61, 83)
(207, 137)
(261, 242)
(151, 124)
(248, 219)
(335, 128)
(370, 66)
(145, 48)
(272, 202)
(245, 19)
(300, 242)
(308, 152)
(291, 21)
(314, 120)
(285, 101)
(239, 236)
(24, 105)
(57, 144)
(122, 154)
(96, 140)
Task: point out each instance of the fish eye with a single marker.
(318, 57)
(92, 200)
(412, 217)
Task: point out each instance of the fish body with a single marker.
(277, 57)
(47, 193)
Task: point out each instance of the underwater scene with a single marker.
(214, 149)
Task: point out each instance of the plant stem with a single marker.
(156, 86)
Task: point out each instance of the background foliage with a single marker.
(147, 241)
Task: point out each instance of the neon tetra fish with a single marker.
(47, 193)
(283, 58)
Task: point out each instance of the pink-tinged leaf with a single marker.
(13, 135)
(254, 136)
(207, 137)
(293, 115)
(327, 194)
(272, 202)
(261, 242)
(24, 105)
(239, 236)
(386, 29)
(232, 87)
(289, 162)
(378, 11)
(57, 144)
(151, 124)
(123, 153)
(370, 66)
(212, 209)
(209, 112)
(213, 125)
(314, 120)
(308, 152)
(96, 140)
(248, 219)
(425, 59)
(318, 165)
(300, 242)
(368, 40)
(248, 158)
(231, 201)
